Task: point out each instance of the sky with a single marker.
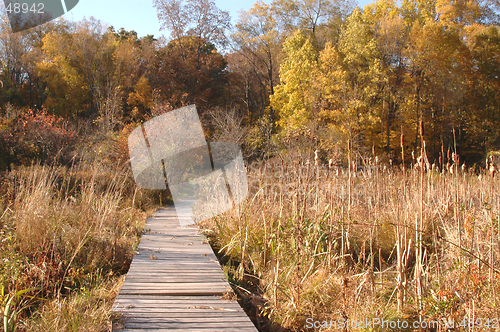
(140, 15)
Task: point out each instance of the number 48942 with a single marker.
(25, 8)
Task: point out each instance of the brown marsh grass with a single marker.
(69, 233)
(373, 242)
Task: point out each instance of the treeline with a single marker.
(427, 70)
(315, 70)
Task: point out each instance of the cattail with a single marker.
(403, 150)
(349, 148)
(373, 150)
(441, 159)
(421, 125)
(424, 159)
(493, 170)
(447, 166)
(316, 157)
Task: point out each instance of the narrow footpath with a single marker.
(176, 283)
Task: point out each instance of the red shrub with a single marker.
(35, 136)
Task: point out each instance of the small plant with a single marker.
(11, 306)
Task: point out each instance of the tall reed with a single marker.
(68, 232)
(405, 221)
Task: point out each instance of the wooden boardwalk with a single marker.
(176, 283)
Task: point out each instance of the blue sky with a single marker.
(140, 15)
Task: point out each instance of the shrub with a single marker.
(28, 136)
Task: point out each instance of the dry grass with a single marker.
(88, 310)
(329, 244)
(69, 233)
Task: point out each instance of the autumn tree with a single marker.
(197, 27)
(322, 18)
(257, 39)
(390, 37)
(90, 70)
(197, 18)
(76, 62)
(351, 75)
(190, 71)
(481, 116)
(19, 54)
(296, 97)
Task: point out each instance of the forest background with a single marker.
(367, 132)
(324, 67)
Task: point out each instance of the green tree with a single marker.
(19, 54)
(296, 97)
(359, 77)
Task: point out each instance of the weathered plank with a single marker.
(176, 283)
(184, 329)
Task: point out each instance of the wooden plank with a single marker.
(184, 301)
(171, 277)
(136, 305)
(182, 312)
(176, 283)
(180, 257)
(181, 272)
(175, 292)
(164, 280)
(198, 329)
(236, 326)
(178, 299)
(178, 272)
(159, 318)
(174, 286)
